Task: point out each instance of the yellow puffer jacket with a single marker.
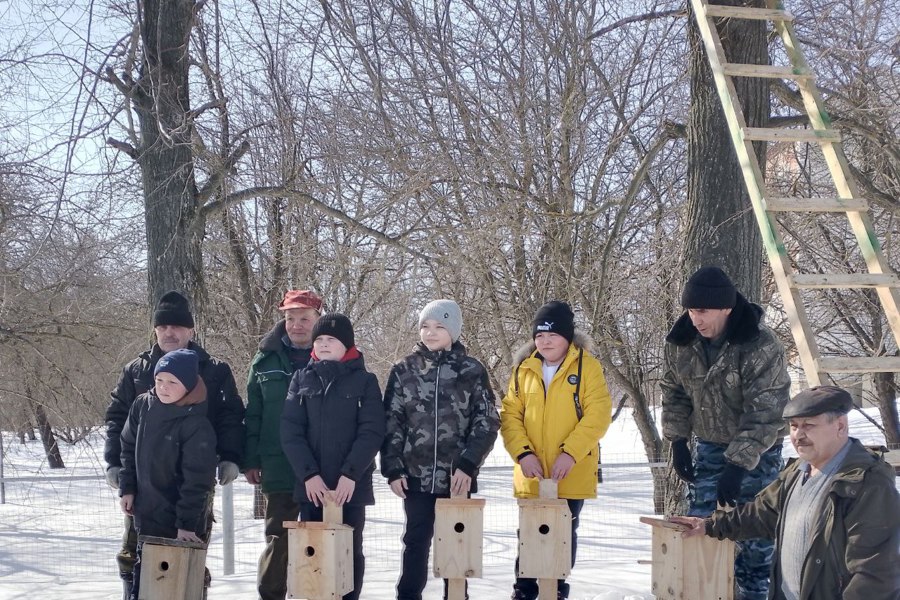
(547, 424)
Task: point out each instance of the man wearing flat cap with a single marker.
(834, 511)
(173, 327)
(726, 383)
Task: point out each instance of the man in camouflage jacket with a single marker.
(726, 383)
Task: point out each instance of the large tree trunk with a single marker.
(162, 103)
(721, 228)
(886, 391)
(51, 448)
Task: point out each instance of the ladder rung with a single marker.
(767, 71)
(858, 364)
(817, 204)
(791, 135)
(741, 12)
(845, 280)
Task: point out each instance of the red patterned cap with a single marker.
(300, 299)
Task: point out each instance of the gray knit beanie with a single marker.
(445, 312)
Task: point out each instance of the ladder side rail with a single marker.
(845, 184)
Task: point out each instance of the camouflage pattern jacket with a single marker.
(737, 401)
(854, 552)
(441, 416)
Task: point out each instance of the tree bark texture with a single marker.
(162, 103)
(51, 447)
(721, 229)
(886, 391)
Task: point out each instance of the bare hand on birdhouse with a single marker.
(344, 490)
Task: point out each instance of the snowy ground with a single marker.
(58, 538)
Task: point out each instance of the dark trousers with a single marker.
(355, 517)
(754, 557)
(528, 587)
(271, 579)
(419, 509)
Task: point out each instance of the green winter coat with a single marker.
(267, 387)
(855, 551)
(738, 400)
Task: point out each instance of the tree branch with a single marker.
(286, 192)
(123, 147)
(216, 178)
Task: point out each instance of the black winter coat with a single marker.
(169, 463)
(225, 407)
(333, 425)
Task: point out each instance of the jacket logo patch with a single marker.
(573, 379)
(545, 326)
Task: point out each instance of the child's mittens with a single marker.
(228, 472)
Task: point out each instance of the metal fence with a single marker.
(70, 526)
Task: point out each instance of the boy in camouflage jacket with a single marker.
(442, 422)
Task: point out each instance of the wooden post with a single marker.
(320, 556)
(458, 534)
(545, 539)
(171, 569)
(694, 567)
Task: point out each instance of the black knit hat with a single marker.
(709, 287)
(173, 309)
(184, 364)
(555, 317)
(337, 326)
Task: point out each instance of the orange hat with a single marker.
(300, 299)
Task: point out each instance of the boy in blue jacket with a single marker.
(169, 456)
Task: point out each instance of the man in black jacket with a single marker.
(173, 325)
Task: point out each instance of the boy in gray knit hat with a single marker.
(441, 424)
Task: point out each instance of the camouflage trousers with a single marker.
(754, 557)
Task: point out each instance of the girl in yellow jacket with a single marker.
(555, 411)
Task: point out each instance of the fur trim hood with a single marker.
(271, 342)
(581, 340)
(743, 325)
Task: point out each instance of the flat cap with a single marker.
(818, 400)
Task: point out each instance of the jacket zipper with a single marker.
(437, 385)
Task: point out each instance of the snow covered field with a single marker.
(58, 537)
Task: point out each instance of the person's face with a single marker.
(329, 348)
(434, 335)
(173, 337)
(298, 322)
(710, 322)
(817, 439)
(169, 388)
(552, 346)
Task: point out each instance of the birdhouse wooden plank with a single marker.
(689, 568)
(320, 560)
(545, 538)
(171, 569)
(458, 535)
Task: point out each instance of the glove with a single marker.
(682, 461)
(228, 472)
(112, 477)
(729, 486)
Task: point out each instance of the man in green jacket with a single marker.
(285, 349)
(834, 512)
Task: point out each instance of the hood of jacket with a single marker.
(581, 340)
(742, 325)
(272, 341)
(194, 402)
(319, 372)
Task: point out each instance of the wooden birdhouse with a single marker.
(458, 534)
(689, 568)
(320, 560)
(171, 569)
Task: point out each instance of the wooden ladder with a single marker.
(848, 200)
